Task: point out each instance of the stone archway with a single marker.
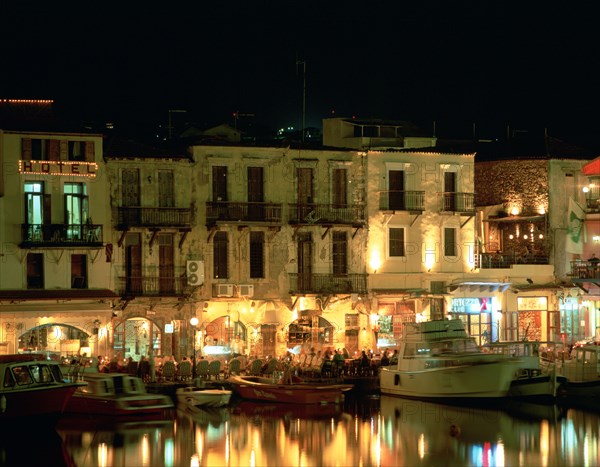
(135, 337)
(56, 340)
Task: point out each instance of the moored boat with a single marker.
(439, 360)
(116, 394)
(529, 380)
(203, 397)
(582, 376)
(33, 389)
(264, 389)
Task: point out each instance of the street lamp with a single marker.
(194, 323)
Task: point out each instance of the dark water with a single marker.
(365, 431)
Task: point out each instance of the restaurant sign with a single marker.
(62, 168)
(472, 305)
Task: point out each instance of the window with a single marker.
(166, 192)
(220, 247)
(257, 249)
(76, 209)
(340, 253)
(35, 270)
(449, 242)
(79, 272)
(219, 183)
(76, 150)
(34, 202)
(396, 242)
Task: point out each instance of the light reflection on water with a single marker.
(388, 431)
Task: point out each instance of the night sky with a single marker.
(488, 63)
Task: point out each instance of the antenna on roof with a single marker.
(303, 63)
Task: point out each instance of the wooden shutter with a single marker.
(26, 149)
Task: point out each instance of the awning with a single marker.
(483, 287)
(57, 294)
(513, 219)
(593, 168)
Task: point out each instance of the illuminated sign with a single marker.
(64, 168)
(472, 305)
(532, 303)
(168, 328)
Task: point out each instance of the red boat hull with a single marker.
(39, 403)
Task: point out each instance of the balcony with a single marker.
(60, 235)
(585, 271)
(327, 283)
(150, 283)
(412, 201)
(463, 203)
(506, 260)
(592, 199)
(153, 217)
(219, 211)
(309, 214)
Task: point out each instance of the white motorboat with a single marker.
(529, 381)
(439, 360)
(203, 397)
(116, 394)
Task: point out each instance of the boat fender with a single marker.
(3, 403)
(454, 430)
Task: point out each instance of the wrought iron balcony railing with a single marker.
(307, 214)
(592, 198)
(506, 260)
(585, 270)
(154, 217)
(245, 212)
(153, 282)
(55, 235)
(328, 283)
(457, 202)
(401, 200)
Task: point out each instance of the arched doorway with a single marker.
(136, 337)
(310, 330)
(226, 334)
(57, 340)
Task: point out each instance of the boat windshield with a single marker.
(448, 347)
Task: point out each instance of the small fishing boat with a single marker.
(116, 394)
(33, 389)
(265, 389)
(203, 397)
(439, 360)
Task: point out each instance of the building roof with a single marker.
(115, 147)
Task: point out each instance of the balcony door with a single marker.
(304, 193)
(166, 270)
(305, 253)
(133, 263)
(396, 190)
(130, 195)
(450, 191)
(256, 194)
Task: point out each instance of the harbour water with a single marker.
(364, 431)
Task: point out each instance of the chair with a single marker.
(234, 367)
(144, 370)
(214, 369)
(185, 371)
(255, 367)
(168, 372)
(202, 369)
(271, 367)
(132, 368)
